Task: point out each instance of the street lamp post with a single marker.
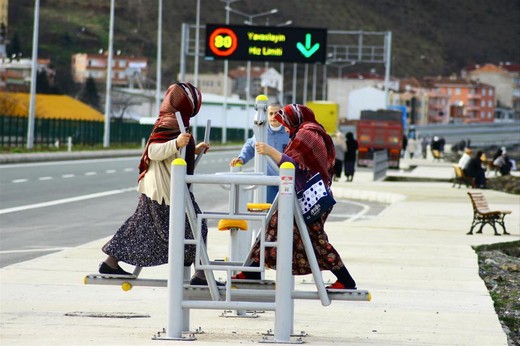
(249, 21)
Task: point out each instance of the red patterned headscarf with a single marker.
(310, 145)
(180, 97)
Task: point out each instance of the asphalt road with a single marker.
(51, 206)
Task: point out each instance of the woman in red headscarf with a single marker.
(142, 240)
(311, 150)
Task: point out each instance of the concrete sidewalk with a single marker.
(415, 258)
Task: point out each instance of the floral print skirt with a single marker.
(142, 240)
(327, 256)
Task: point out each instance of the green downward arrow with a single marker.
(307, 50)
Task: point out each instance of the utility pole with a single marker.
(106, 137)
(32, 101)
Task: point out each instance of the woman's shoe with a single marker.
(196, 281)
(339, 286)
(108, 270)
(246, 276)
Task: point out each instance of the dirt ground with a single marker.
(499, 267)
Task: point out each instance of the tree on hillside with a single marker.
(89, 94)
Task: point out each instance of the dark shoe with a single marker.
(195, 281)
(247, 276)
(108, 270)
(339, 286)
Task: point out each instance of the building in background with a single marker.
(15, 74)
(126, 70)
(264, 80)
(339, 90)
(505, 78)
(469, 101)
(210, 83)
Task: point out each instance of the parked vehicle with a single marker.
(380, 130)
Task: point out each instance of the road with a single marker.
(51, 206)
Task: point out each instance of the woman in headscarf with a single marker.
(311, 150)
(142, 240)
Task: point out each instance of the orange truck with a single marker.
(380, 130)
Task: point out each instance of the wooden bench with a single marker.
(482, 215)
(437, 155)
(460, 178)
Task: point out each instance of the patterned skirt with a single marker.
(327, 256)
(142, 240)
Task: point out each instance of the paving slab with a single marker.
(414, 257)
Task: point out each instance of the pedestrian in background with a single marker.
(350, 156)
(340, 146)
(276, 137)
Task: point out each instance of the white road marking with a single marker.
(45, 178)
(129, 169)
(90, 173)
(68, 176)
(65, 200)
(17, 181)
(110, 171)
(35, 250)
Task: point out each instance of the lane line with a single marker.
(34, 250)
(68, 176)
(17, 181)
(45, 178)
(66, 200)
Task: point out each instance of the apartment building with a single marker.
(126, 70)
(505, 77)
(468, 101)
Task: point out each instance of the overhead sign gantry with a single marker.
(263, 43)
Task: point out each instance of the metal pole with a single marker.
(34, 68)
(196, 68)
(176, 250)
(295, 70)
(182, 61)
(225, 85)
(388, 57)
(260, 124)
(282, 72)
(159, 61)
(106, 137)
(284, 279)
(324, 86)
(314, 73)
(305, 83)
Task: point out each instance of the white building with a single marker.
(368, 98)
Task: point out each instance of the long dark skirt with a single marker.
(350, 168)
(327, 256)
(142, 240)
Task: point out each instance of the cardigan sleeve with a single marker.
(161, 151)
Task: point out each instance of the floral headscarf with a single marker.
(310, 145)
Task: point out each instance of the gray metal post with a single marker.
(182, 61)
(34, 64)
(108, 100)
(176, 250)
(305, 83)
(284, 281)
(260, 127)
(159, 60)
(388, 58)
(295, 71)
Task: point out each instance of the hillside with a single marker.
(430, 37)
